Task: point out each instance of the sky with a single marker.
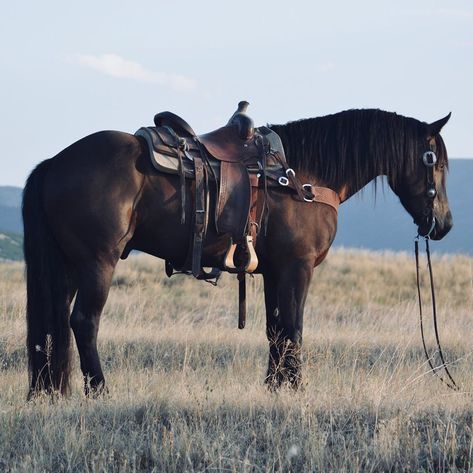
(68, 69)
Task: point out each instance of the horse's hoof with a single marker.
(96, 391)
(273, 381)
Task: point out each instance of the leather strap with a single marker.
(324, 195)
(452, 384)
(199, 222)
(182, 180)
(241, 300)
(179, 144)
(308, 192)
(254, 220)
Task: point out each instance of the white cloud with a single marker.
(116, 66)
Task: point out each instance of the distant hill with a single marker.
(364, 222)
(10, 204)
(11, 246)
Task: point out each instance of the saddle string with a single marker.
(182, 180)
(435, 369)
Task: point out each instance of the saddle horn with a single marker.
(244, 124)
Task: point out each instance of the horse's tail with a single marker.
(48, 294)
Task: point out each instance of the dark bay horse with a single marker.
(100, 197)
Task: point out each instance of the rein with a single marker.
(435, 369)
(429, 159)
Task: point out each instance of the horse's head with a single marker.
(421, 186)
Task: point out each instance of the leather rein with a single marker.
(429, 159)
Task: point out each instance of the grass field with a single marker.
(186, 391)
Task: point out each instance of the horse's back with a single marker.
(103, 145)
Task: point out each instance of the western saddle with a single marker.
(234, 166)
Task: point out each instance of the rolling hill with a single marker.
(365, 221)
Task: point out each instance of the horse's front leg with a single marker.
(285, 295)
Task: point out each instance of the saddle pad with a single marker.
(162, 157)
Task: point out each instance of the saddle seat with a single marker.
(231, 143)
(225, 144)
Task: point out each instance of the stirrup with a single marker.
(211, 276)
(214, 274)
(250, 264)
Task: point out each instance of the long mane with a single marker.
(355, 145)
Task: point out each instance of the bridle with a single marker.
(429, 158)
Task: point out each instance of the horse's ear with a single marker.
(435, 127)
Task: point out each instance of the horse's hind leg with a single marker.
(93, 287)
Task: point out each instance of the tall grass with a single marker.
(186, 391)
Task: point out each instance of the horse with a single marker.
(100, 198)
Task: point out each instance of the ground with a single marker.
(186, 386)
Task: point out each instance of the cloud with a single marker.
(116, 66)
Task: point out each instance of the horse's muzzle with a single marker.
(441, 228)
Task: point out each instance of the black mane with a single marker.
(355, 145)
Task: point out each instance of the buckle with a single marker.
(308, 188)
(254, 224)
(429, 158)
(283, 181)
(290, 172)
(188, 155)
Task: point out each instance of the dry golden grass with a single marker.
(186, 391)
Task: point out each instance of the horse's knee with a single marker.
(83, 326)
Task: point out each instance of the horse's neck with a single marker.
(347, 187)
(347, 190)
(340, 175)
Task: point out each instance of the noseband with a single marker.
(429, 158)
